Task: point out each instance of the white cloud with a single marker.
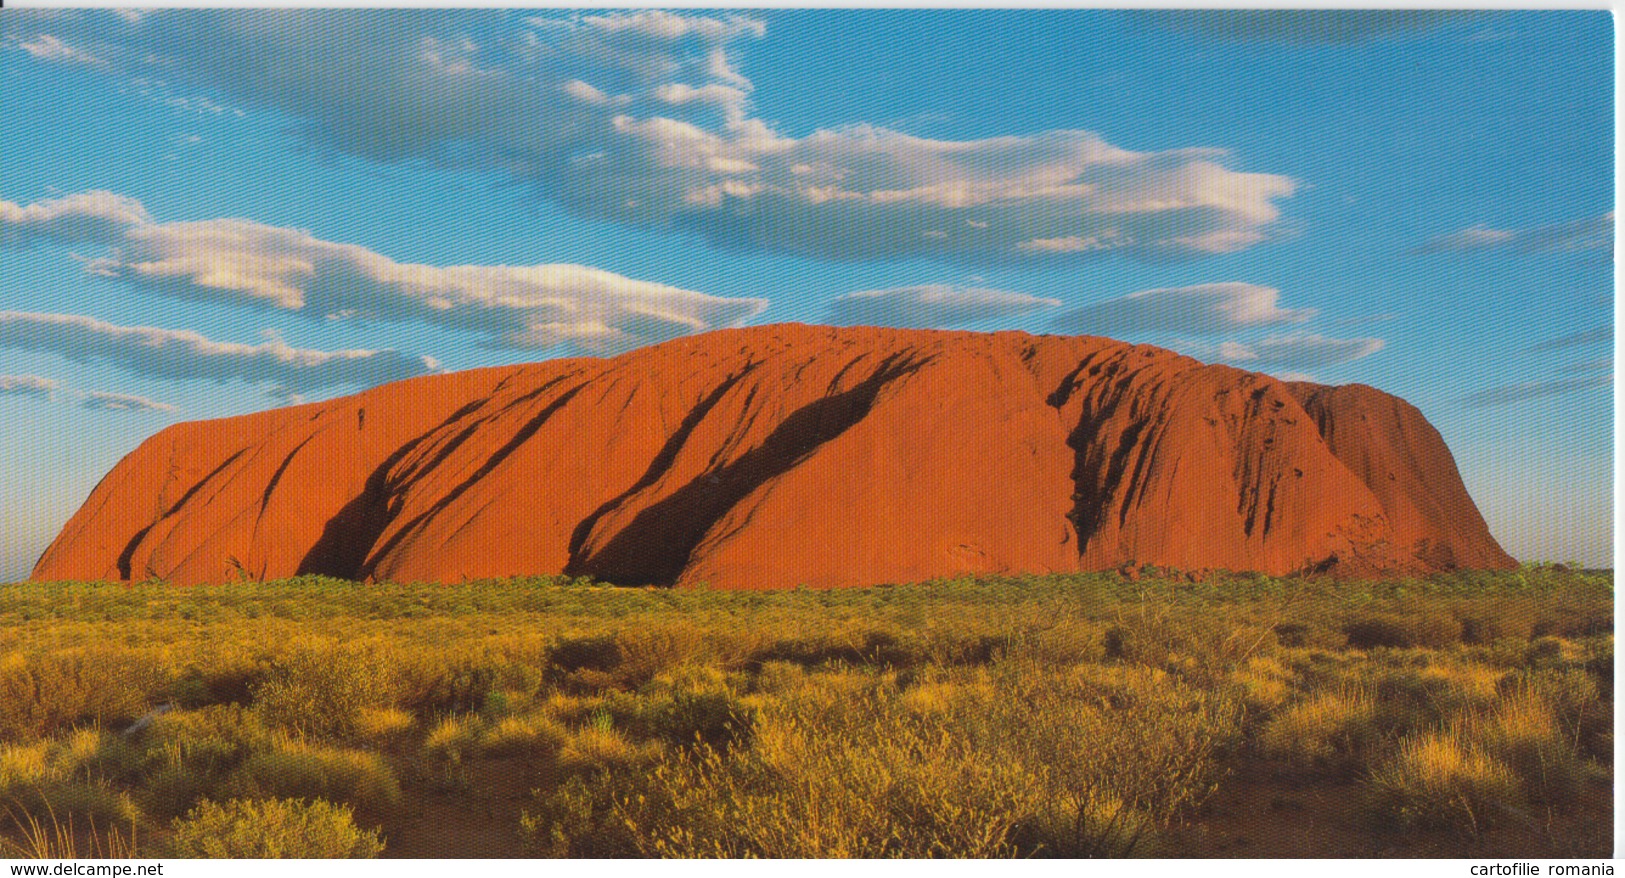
(1201, 309)
(931, 305)
(1591, 233)
(98, 217)
(26, 385)
(46, 47)
(866, 192)
(176, 353)
(644, 118)
(247, 263)
(656, 24)
(123, 402)
(1507, 394)
(1299, 351)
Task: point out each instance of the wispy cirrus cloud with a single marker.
(102, 401)
(37, 387)
(242, 262)
(1597, 335)
(1298, 351)
(645, 118)
(27, 385)
(1590, 233)
(1202, 309)
(175, 353)
(1508, 394)
(931, 305)
(1600, 364)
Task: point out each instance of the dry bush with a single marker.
(682, 706)
(1135, 735)
(42, 694)
(646, 652)
(577, 819)
(1380, 631)
(864, 781)
(454, 737)
(1412, 697)
(321, 689)
(1065, 641)
(383, 726)
(1585, 719)
(271, 829)
(296, 769)
(23, 764)
(1488, 625)
(1095, 763)
(185, 754)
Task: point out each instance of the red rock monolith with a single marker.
(788, 455)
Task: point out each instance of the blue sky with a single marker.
(210, 212)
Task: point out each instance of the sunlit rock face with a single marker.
(778, 456)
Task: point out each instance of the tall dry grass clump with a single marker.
(42, 834)
(1442, 780)
(1332, 732)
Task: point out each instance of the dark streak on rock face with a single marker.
(784, 455)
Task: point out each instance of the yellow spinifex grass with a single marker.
(1066, 715)
(1443, 780)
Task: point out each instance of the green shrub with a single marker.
(271, 829)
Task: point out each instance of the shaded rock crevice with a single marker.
(655, 547)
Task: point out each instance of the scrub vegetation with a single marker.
(1070, 716)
